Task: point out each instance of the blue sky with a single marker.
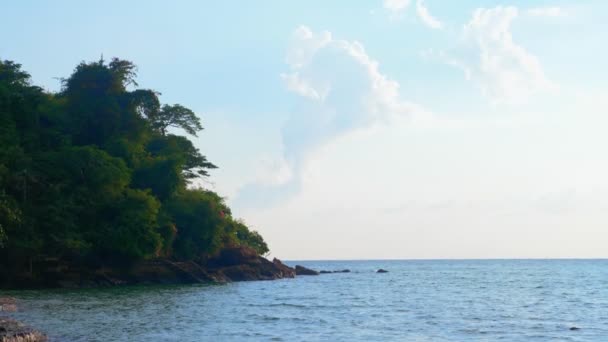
(377, 129)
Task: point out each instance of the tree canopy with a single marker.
(98, 173)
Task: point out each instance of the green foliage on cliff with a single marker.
(95, 174)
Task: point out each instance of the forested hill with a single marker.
(94, 174)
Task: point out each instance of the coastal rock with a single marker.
(243, 264)
(8, 304)
(325, 272)
(286, 271)
(574, 328)
(382, 271)
(196, 273)
(13, 331)
(258, 269)
(301, 270)
(233, 256)
(230, 264)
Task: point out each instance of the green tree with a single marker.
(131, 232)
(176, 116)
(92, 173)
(199, 218)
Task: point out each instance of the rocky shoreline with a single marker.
(14, 331)
(228, 265)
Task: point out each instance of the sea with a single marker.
(416, 300)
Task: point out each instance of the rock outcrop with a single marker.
(382, 271)
(13, 331)
(243, 264)
(301, 270)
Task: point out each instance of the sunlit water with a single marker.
(416, 301)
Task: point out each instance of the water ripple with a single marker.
(525, 300)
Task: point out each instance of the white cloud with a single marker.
(396, 8)
(396, 5)
(304, 44)
(349, 90)
(505, 71)
(426, 17)
(294, 83)
(340, 90)
(546, 12)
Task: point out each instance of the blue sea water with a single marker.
(426, 300)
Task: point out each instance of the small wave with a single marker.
(264, 317)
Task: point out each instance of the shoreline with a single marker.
(229, 265)
(14, 331)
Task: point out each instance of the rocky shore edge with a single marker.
(14, 331)
(228, 265)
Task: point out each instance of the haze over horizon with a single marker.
(388, 129)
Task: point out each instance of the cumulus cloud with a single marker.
(426, 17)
(505, 71)
(546, 12)
(339, 89)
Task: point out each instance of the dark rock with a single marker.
(243, 264)
(258, 269)
(286, 271)
(574, 328)
(233, 256)
(230, 264)
(301, 270)
(382, 271)
(195, 272)
(13, 331)
(343, 271)
(325, 272)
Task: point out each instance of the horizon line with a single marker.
(458, 259)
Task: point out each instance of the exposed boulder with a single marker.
(13, 331)
(382, 271)
(301, 270)
(8, 304)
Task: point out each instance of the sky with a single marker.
(388, 129)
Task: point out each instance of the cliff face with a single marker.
(230, 264)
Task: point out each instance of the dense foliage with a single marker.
(95, 174)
